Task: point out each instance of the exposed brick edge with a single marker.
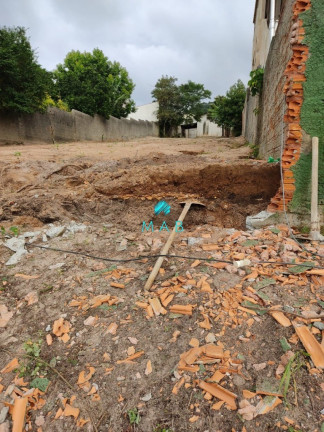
(293, 89)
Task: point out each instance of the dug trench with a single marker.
(124, 191)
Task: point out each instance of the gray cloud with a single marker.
(207, 41)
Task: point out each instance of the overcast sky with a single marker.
(206, 41)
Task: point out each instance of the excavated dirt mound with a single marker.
(125, 190)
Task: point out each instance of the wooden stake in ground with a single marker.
(166, 247)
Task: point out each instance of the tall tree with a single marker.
(91, 83)
(178, 104)
(23, 82)
(192, 105)
(226, 111)
(166, 93)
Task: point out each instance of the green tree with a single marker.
(226, 111)
(178, 104)
(23, 82)
(166, 93)
(91, 83)
(192, 105)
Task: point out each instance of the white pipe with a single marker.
(272, 18)
(315, 223)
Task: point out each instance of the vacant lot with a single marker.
(87, 348)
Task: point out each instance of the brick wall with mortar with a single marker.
(304, 114)
(291, 108)
(58, 126)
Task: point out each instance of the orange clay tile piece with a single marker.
(158, 309)
(148, 369)
(213, 351)
(217, 406)
(311, 345)
(192, 355)
(178, 385)
(281, 318)
(18, 414)
(219, 392)
(247, 394)
(141, 304)
(318, 272)
(181, 309)
(168, 300)
(210, 247)
(71, 411)
(10, 366)
(130, 358)
(117, 285)
(194, 343)
(60, 327)
(83, 377)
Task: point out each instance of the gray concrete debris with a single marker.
(74, 227)
(15, 258)
(259, 220)
(15, 243)
(194, 240)
(31, 234)
(55, 231)
(122, 246)
(3, 414)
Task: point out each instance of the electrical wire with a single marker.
(141, 257)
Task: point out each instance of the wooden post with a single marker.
(315, 223)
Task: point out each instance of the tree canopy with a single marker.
(178, 104)
(91, 83)
(226, 111)
(23, 82)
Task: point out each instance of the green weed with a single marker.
(295, 363)
(31, 364)
(133, 416)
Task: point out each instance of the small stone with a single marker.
(260, 366)
(121, 378)
(210, 338)
(194, 240)
(55, 231)
(3, 414)
(147, 397)
(319, 325)
(15, 244)
(239, 381)
(122, 246)
(15, 258)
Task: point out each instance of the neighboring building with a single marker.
(202, 128)
(266, 19)
(290, 110)
(145, 112)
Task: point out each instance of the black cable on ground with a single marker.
(141, 257)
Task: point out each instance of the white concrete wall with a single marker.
(206, 127)
(145, 112)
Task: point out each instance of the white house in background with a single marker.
(145, 112)
(203, 128)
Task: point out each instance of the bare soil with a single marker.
(112, 188)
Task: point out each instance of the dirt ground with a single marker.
(204, 350)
